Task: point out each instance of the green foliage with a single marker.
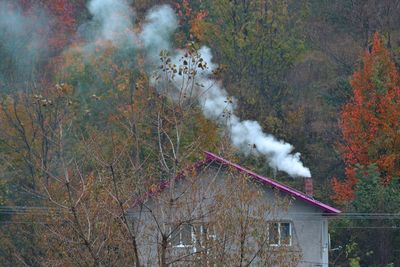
(354, 262)
(259, 42)
(339, 93)
(286, 62)
(376, 203)
(374, 196)
(3, 194)
(350, 249)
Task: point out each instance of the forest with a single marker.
(101, 100)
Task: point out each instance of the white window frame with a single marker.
(179, 231)
(194, 236)
(279, 223)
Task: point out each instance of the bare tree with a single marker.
(220, 217)
(123, 192)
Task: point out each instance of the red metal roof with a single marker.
(267, 181)
(210, 157)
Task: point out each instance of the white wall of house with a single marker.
(309, 228)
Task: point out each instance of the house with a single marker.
(218, 213)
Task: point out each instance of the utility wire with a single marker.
(44, 208)
(38, 208)
(306, 216)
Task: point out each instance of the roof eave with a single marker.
(267, 181)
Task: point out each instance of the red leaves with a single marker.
(64, 24)
(370, 122)
(191, 20)
(184, 9)
(344, 189)
(61, 16)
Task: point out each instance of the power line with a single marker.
(44, 208)
(294, 213)
(366, 227)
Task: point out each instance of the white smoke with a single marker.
(113, 20)
(23, 40)
(160, 23)
(116, 17)
(245, 135)
(248, 135)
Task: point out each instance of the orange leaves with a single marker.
(370, 122)
(198, 25)
(184, 9)
(344, 190)
(207, 132)
(61, 16)
(64, 20)
(193, 23)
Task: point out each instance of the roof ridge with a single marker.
(210, 157)
(280, 186)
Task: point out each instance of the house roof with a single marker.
(210, 157)
(267, 181)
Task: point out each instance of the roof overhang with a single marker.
(270, 182)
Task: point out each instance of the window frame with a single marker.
(176, 232)
(279, 234)
(198, 240)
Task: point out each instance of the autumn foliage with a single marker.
(370, 121)
(62, 15)
(192, 22)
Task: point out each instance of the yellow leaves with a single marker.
(194, 172)
(72, 62)
(198, 26)
(64, 88)
(207, 131)
(122, 81)
(270, 16)
(273, 123)
(122, 87)
(295, 116)
(154, 188)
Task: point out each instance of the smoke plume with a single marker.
(23, 41)
(160, 23)
(113, 22)
(246, 135)
(115, 19)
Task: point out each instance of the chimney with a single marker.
(308, 186)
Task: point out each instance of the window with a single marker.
(182, 236)
(280, 234)
(194, 236)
